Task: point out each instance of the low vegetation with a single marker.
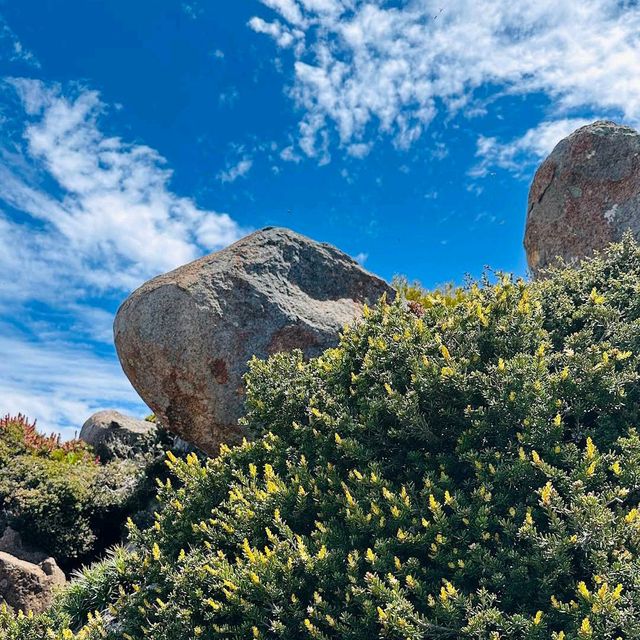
(61, 498)
(465, 464)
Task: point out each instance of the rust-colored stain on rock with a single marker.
(219, 371)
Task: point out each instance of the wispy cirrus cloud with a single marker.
(12, 49)
(84, 218)
(520, 154)
(363, 69)
(238, 170)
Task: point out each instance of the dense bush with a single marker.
(62, 499)
(463, 466)
(64, 507)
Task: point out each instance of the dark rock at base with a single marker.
(27, 586)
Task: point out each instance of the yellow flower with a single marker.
(586, 630)
(584, 591)
(254, 577)
(388, 389)
(557, 421)
(616, 468)
(545, 493)
(445, 352)
(595, 297)
(155, 550)
(591, 449)
(371, 557)
(538, 618)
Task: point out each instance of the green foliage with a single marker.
(63, 505)
(464, 466)
(63, 500)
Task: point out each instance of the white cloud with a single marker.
(365, 68)
(361, 258)
(238, 170)
(60, 384)
(11, 49)
(520, 154)
(84, 218)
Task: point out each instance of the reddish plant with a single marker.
(25, 430)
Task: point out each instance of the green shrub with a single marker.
(63, 505)
(464, 466)
(65, 501)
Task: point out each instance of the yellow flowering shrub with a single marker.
(464, 465)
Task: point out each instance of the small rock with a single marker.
(26, 586)
(585, 195)
(184, 338)
(114, 435)
(11, 543)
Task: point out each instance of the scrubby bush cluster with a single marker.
(61, 498)
(463, 465)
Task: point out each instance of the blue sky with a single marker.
(136, 136)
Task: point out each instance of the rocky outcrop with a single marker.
(184, 338)
(585, 195)
(113, 435)
(27, 586)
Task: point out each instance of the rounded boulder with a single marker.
(184, 338)
(585, 195)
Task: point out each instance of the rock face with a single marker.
(184, 338)
(27, 586)
(112, 434)
(585, 195)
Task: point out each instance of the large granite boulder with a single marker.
(114, 435)
(27, 586)
(585, 195)
(184, 338)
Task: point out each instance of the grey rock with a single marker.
(113, 434)
(184, 338)
(27, 586)
(585, 195)
(11, 543)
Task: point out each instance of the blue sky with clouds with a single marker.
(136, 136)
